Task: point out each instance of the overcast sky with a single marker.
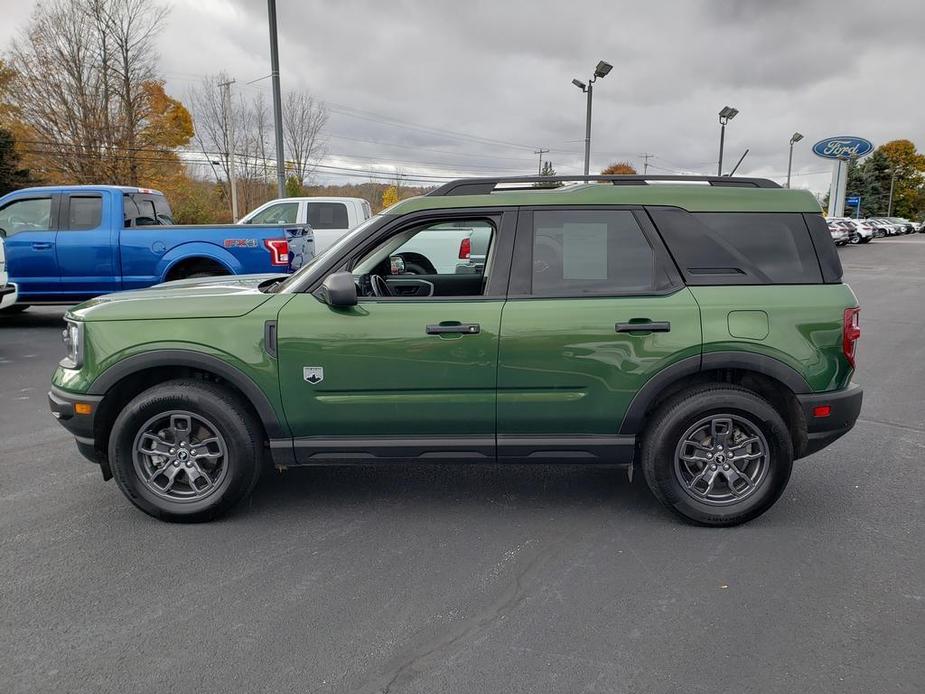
(442, 88)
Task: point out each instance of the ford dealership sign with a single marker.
(844, 147)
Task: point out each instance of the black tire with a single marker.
(14, 309)
(195, 275)
(242, 446)
(867, 239)
(666, 431)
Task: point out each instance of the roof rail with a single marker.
(484, 186)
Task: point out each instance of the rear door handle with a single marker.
(464, 328)
(42, 245)
(646, 326)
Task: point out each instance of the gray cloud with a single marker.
(501, 71)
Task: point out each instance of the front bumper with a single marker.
(844, 408)
(63, 406)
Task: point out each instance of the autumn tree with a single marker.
(619, 168)
(86, 90)
(390, 196)
(895, 162)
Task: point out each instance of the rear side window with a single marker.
(592, 252)
(327, 215)
(84, 212)
(146, 210)
(739, 247)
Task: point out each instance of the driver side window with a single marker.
(32, 214)
(440, 259)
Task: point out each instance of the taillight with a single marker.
(851, 331)
(279, 251)
(465, 249)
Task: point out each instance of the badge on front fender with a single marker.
(313, 374)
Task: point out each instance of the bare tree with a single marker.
(304, 119)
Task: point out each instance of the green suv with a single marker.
(694, 328)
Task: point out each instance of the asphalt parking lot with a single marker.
(476, 579)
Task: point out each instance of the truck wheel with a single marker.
(717, 455)
(185, 451)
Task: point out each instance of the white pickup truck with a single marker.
(329, 218)
(7, 290)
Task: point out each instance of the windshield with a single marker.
(345, 241)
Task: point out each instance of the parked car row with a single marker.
(845, 230)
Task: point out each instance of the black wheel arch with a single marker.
(125, 379)
(771, 378)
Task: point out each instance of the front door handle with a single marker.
(41, 245)
(644, 326)
(445, 328)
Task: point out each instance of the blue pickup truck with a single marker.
(69, 243)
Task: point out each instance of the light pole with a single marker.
(600, 71)
(795, 138)
(277, 104)
(889, 209)
(726, 115)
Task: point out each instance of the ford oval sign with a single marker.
(845, 147)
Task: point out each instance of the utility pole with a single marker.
(229, 133)
(277, 103)
(889, 209)
(539, 167)
(645, 164)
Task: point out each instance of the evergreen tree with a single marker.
(12, 176)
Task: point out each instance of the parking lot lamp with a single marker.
(796, 138)
(602, 69)
(726, 115)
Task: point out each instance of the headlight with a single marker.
(73, 334)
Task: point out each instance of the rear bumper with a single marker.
(845, 406)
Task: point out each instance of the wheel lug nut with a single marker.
(725, 467)
(718, 447)
(176, 463)
(172, 450)
(193, 451)
(712, 467)
(709, 455)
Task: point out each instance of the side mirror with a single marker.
(339, 289)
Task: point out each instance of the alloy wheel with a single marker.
(180, 456)
(722, 459)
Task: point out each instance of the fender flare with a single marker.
(181, 357)
(634, 419)
(197, 249)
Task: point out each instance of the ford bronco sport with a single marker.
(696, 328)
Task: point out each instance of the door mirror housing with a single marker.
(339, 290)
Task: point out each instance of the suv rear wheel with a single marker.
(717, 455)
(185, 451)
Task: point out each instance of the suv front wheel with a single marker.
(186, 451)
(717, 455)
